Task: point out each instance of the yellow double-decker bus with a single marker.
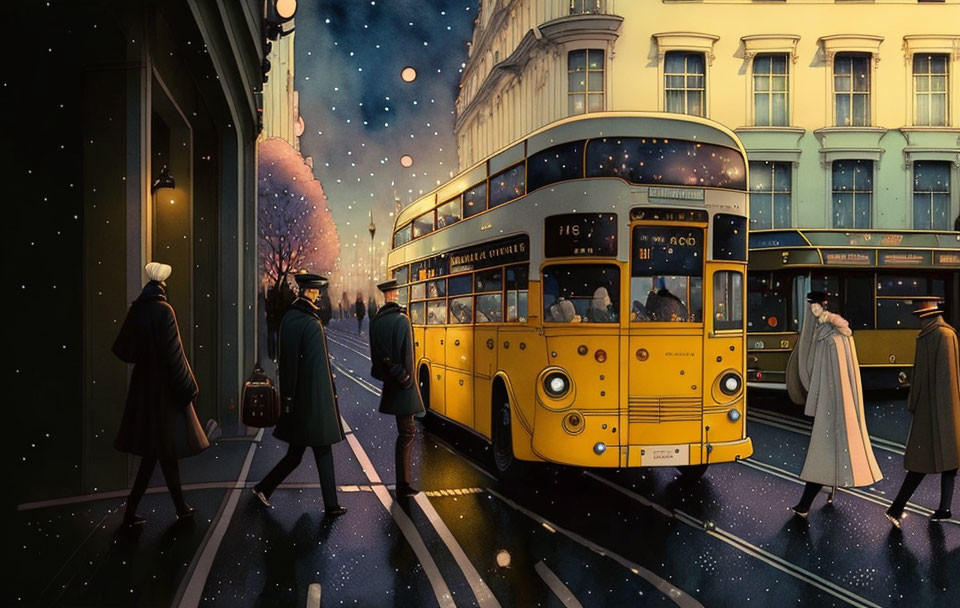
(578, 297)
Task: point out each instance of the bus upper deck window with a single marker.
(555, 164)
(507, 185)
(448, 213)
(581, 293)
(475, 200)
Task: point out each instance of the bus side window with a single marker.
(727, 300)
(517, 278)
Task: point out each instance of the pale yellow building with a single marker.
(849, 109)
(281, 101)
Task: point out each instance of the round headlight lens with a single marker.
(730, 384)
(556, 385)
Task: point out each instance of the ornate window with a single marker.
(930, 89)
(852, 193)
(685, 83)
(851, 89)
(931, 195)
(770, 195)
(771, 90)
(585, 81)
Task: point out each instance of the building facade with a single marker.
(112, 93)
(281, 101)
(848, 109)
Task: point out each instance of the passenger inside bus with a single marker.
(581, 293)
(600, 310)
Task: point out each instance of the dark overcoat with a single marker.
(933, 445)
(391, 338)
(309, 415)
(158, 418)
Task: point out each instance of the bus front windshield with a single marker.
(666, 268)
(581, 293)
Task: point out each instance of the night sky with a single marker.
(361, 117)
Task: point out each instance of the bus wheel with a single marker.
(692, 472)
(503, 458)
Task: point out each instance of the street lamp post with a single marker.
(373, 231)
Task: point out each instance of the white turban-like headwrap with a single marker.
(157, 271)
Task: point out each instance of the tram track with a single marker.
(708, 527)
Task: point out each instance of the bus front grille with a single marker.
(664, 409)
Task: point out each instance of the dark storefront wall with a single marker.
(101, 104)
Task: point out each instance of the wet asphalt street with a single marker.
(561, 537)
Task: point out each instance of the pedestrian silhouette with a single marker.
(933, 445)
(309, 415)
(391, 354)
(359, 310)
(159, 422)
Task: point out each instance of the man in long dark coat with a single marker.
(391, 354)
(933, 445)
(309, 416)
(159, 422)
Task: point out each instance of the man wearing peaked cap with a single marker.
(309, 414)
(391, 355)
(933, 444)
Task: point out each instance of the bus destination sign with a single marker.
(948, 258)
(847, 257)
(660, 214)
(580, 234)
(494, 253)
(904, 258)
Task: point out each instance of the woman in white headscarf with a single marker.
(159, 422)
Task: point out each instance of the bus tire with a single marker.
(505, 464)
(692, 472)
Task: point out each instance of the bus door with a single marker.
(434, 337)
(665, 352)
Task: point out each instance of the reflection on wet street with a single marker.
(560, 537)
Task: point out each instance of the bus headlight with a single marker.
(730, 383)
(556, 384)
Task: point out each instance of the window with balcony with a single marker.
(852, 193)
(931, 195)
(930, 86)
(770, 195)
(584, 81)
(851, 89)
(685, 83)
(771, 90)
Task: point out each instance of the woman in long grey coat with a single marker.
(933, 445)
(159, 422)
(839, 454)
(309, 416)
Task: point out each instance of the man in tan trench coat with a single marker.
(933, 445)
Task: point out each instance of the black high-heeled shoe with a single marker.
(133, 521)
(941, 515)
(896, 521)
(796, 511)
(336, 511)
(187, 512)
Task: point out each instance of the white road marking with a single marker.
(677, 596)
(409, 530)
(313, 595)
(481, 591)
(553, 581)
(191, 589)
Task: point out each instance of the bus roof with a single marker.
(583, 126)
(774, 249)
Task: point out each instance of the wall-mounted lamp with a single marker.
(164, 180)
